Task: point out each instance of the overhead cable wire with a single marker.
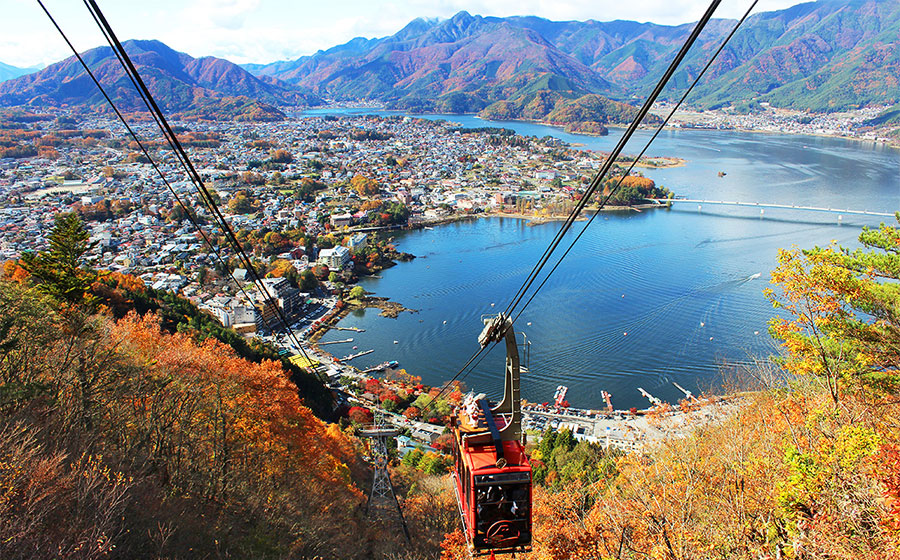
(169, 133)
(610, 160)
(195, 177)
(188, 211)
(656, 133)
(596, 181)
(633, 163)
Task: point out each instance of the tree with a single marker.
(307, 188)
(842, 324)
(411, 412)
(444, 442)
(432, 463)
(412, 458)
(308, 281)
(364, 186)
(357, 292)
(389, 404)
(58, 272)
(360, 415)
(253, 178)
(281, 156)
(398, 212)
(240, 203)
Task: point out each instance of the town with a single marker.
(308, 196)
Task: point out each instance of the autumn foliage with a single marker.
(157, 442)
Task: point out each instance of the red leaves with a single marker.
(360, 415)
(888, 472)
(412, 413)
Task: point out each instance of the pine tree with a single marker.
(58, 271)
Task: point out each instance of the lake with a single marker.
(644, 299)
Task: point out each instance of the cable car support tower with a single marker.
(382, 501)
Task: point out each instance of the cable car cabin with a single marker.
(493, 486)
(491, 471)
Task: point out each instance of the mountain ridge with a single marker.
(8, 71)
(822, 56)
(178, 82)
(768, 59)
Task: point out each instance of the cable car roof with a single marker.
(483, 457)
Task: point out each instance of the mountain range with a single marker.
(205, 86)
(819, 56)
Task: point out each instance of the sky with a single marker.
(264, 31)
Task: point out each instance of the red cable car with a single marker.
(492, 475)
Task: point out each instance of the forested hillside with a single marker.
(826, 55)
(208, 87)
(121, 439)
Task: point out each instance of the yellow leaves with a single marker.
(853, 444)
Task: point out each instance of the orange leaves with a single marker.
(412, 413)
(248, 420)
(454, 546)
(12, 271)
(888, 472)
(364, 186)
(643, 183)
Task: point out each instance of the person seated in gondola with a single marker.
(516, 500)
(488, 507)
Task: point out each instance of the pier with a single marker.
(352, 356)
(380, 367)
(336, 342)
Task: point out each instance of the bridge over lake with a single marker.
(763, 205)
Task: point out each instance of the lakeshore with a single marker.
(771, 120)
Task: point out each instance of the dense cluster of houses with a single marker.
(432, 168)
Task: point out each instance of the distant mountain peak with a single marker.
(178, 82)
(8, 71)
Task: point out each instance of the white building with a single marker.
(357, 240)
(335, 258)
(230, 311)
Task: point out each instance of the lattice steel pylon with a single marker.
(382, 499)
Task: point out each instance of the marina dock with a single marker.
(352, 356)
(336, 342)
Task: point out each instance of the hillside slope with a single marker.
(128, 441)
(822, 56)
(177, 81)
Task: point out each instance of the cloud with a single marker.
(228, 15)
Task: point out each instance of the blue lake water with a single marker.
(644, 299)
